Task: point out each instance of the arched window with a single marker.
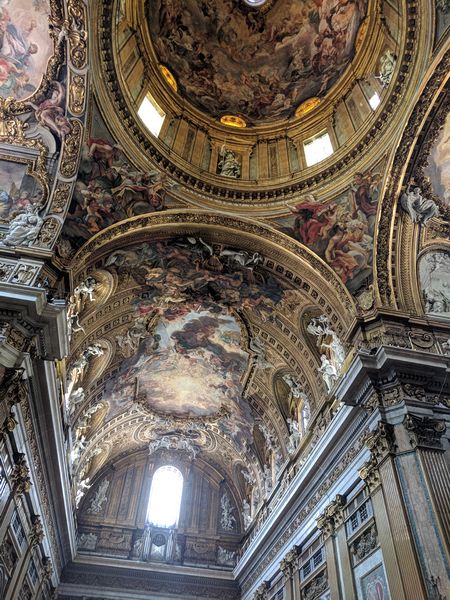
(165, 497)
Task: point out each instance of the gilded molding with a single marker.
(388, 203)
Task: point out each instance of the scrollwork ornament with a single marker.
(48, 233)
(381, 441)
(77, 43)
(370, 473)
(77, 93)
(60, 197)
(71, 148)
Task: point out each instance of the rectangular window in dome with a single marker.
(151, 115)
(374, 101)
(317, 148)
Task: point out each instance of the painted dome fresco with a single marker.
(257, 62)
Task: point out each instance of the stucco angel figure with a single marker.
(229, 165)
(76, 397)
(420, 209)
(82, 488)
(24, 229)
(246, 514)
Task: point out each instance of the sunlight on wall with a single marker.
(165, 497)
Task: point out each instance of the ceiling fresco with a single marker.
(230, 58)
(25, 46)
(186, 353)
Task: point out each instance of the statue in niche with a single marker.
(387, 67)
(328, 372)
(267, 478)
(138, 548)
(227, 519)
(434, 272)
(256, 345)
(99, 498)
(294, 386)
(76, 397)
(246, 516)
(229, 165)
(24, 228)
(420, 209)
(295, 435)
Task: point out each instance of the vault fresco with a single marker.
(25, 46)
(189, 358)
(230, 58)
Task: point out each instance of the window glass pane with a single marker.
(165, 497)
(317, 149)
(151, 115)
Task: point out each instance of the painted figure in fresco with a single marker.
(313, 220)
(22, 38)
(107, 191)
(50, 112)
(231, 59)
(341, 231)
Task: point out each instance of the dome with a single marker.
(234, 57)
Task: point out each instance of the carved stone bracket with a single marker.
(425, 432)
(332, 517)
